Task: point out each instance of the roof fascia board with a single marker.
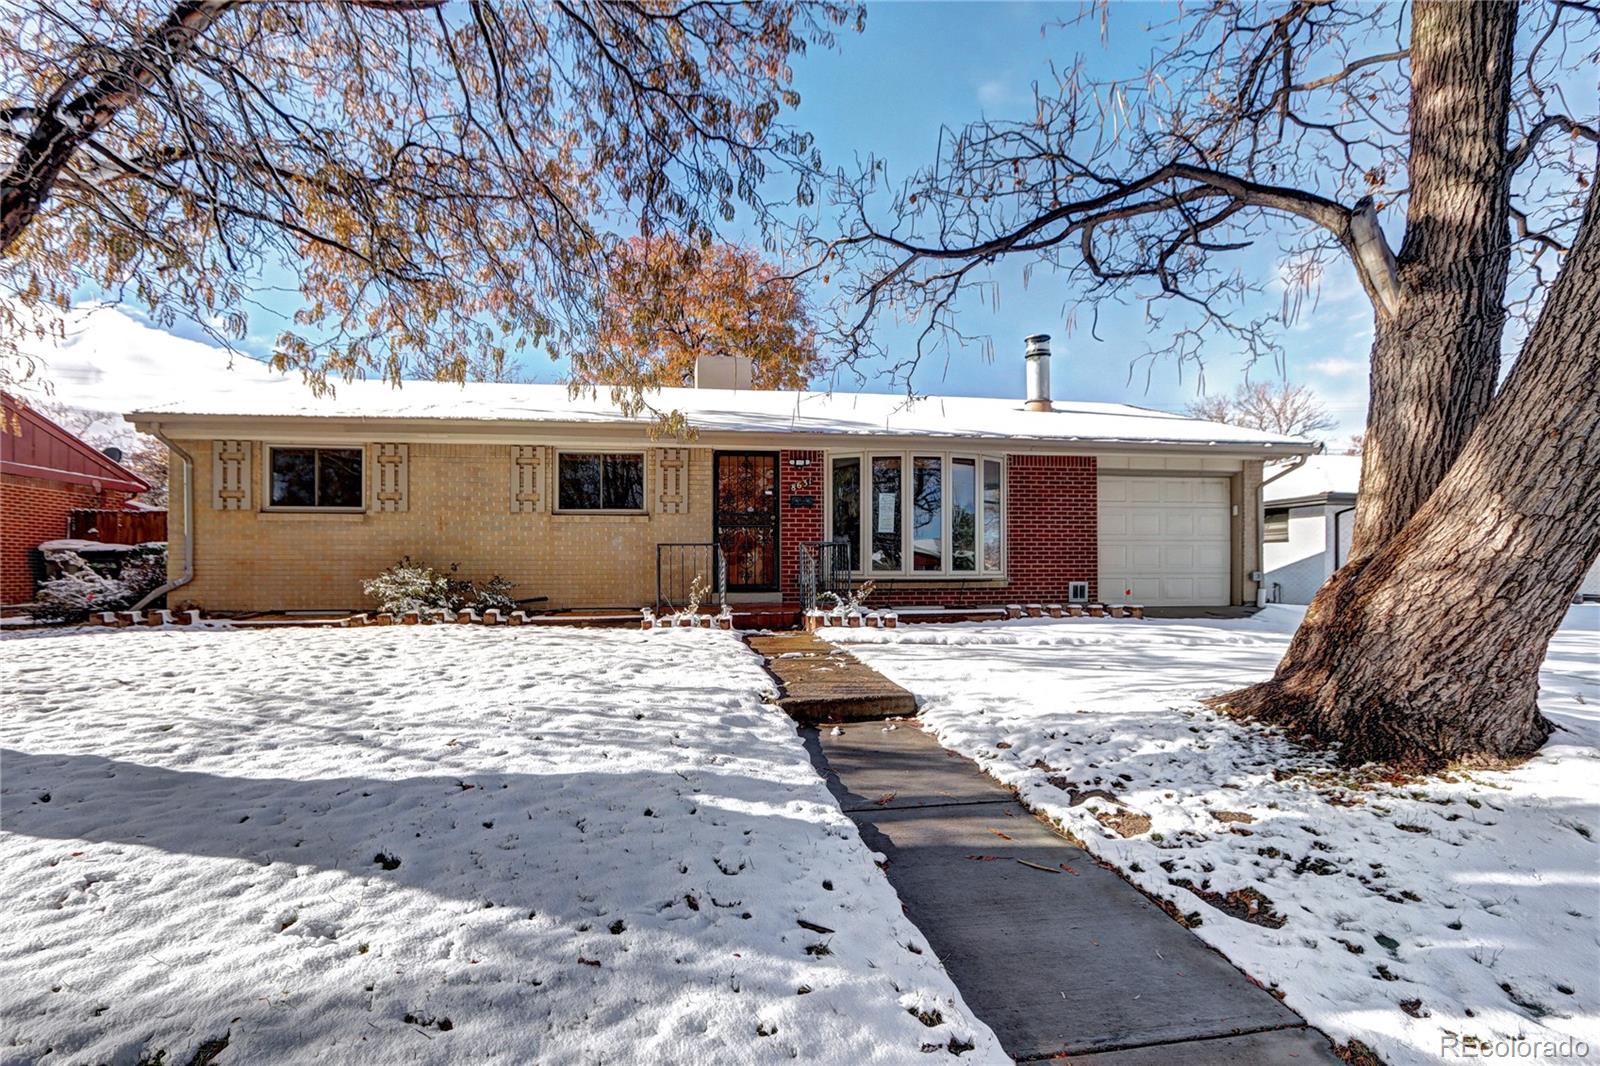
(100, 483)
(1326, 498)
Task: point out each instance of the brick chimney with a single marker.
(724, 372)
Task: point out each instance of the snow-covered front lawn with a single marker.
(1414, 916)
(439, 844)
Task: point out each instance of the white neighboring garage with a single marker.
(1167, 539)
(1310, 513)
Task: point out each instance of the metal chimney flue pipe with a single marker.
(1038, 358)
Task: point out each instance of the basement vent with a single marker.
(1077, 592)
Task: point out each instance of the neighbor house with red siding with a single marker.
(46, 473)
(284, 501)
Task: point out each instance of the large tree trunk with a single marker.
(1428, 650)
(1436, 357)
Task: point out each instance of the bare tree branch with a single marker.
(1519, 153)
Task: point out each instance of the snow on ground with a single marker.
(440, 844)
(1403, 914)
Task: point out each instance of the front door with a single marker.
(747, 519)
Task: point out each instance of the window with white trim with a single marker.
(322, 479)
(916, 513)
(600, 481)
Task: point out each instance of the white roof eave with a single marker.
(308, 429)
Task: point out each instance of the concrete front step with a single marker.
(818, 682)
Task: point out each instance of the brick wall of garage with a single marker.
(32, 511)
(1051, 538)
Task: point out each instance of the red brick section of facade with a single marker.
(32, 511)
(1052, 535)
(800, 474)
(45, 474)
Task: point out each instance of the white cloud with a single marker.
(993, 93)
(1336, 367)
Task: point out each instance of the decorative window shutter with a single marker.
(674, 467)
(391, 486)
(527, 476)
(230, 475)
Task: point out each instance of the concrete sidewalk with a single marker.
(1058, 957)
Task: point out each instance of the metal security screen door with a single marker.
(747, 519)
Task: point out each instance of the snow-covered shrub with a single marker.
(144, 570)
(459, 592)
(408, 586)
(494, 595)
(72, 596)
(79, 589)
(464, 593)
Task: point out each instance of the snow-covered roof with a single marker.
(725, 411)
(1319, 477)
(110, 361)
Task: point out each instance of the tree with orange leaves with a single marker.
(667, 301)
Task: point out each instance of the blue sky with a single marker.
(920, 65)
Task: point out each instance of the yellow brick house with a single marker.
(282, 501)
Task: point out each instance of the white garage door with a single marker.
(1167, 539)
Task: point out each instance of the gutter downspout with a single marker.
(1295, 464)
(1261, 519)
(188, 524)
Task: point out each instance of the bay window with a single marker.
(964, 514)
(886, 513)
(918, 513)
(845, 506)
(992, 499)
(927, 510)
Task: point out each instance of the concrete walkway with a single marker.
(1074, 961)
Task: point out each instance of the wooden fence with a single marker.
(118, 527)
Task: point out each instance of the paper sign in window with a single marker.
(888, 509)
